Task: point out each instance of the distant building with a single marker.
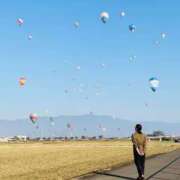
(20, 138)
(160, 138)
(4, 139)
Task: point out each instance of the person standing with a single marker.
(139, 150)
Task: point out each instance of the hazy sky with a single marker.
(107, 83)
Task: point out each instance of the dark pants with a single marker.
(140, 162)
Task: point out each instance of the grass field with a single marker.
(65, 160)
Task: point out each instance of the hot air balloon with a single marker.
(104, 16)
(52, 121)
(68, 125)
(66, 91)
(20, 21)
(163, 35)
(146, 104)
(132, 58)
(76, 24)
(154, 83)
(132, 28)
(157, 43)
(103, 65)
(78, 68)
(29, 37)
(122, 13)
(22, 81)
(33, 117)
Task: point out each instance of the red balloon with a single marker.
(33, 117)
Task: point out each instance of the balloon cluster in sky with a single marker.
(104, 18)
(20, 22)
(163, 36)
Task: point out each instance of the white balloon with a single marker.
(163, 35)
(78, 67)
(30, 37)
(76, 24)
(104, 16)
(154, 83)
(122, 14)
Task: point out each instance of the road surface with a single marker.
(162, 167)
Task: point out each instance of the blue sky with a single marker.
(50, 59)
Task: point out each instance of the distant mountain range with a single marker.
(88, 125)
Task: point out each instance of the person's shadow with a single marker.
(114, 175)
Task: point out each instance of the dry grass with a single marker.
(64, 160)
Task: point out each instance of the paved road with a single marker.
(162, 167)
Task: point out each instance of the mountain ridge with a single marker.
(87, 124)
